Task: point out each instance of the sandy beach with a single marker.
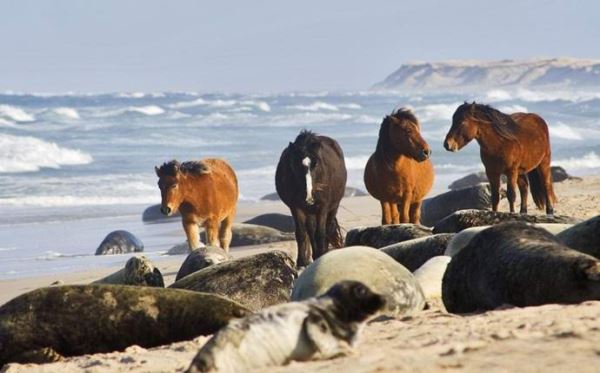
(551, 337)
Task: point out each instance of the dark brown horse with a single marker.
(311, 180)
(205, 192)
(399, 174)
(516, 145)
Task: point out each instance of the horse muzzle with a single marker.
(165, 210)
(451, 145)
(424, 155)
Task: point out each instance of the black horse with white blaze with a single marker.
(311, 180)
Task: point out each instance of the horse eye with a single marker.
(173, 186)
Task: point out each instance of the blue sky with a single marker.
(270, 46)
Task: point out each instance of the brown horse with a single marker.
(205, 192)
(514, 145)
(399, 174)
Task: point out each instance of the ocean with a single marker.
(74, 165)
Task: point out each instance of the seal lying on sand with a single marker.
(464, 219)
(462, 238)
(256, 281)
(414, 253)
(385, 235)
(318, 328)
(138, 271)
(84, 319)
(584, 237)
(377, 270)
(436, 208)
(430, 275)
(202, 258)
(521, 265)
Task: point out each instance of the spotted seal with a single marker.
(515, 263)
(51, 322)
(138, 271)
(317, 328)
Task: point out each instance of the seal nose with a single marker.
(165, 210)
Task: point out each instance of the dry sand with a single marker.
(551, 337)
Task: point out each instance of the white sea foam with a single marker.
(356, 162)
(186, 104)
(315, 106)
(351, 106)
(131, 94)
(6, 123)
(564, 131)
(67, 112)
(146, 110)
(436, 111)
(23, 154)
(589, 160)
(259, 171)
(15, 113)
(527, 95)
(73, 201)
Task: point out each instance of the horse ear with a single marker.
(157, 170)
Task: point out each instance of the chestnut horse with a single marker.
(311, 180)
(516, 145)
(205, 192)
(399, 174)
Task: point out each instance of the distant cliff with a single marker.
(537, 73)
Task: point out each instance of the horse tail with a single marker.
(334, 234)
(538, 192)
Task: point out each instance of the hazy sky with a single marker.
(266, 46)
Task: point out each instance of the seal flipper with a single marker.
(318, 331)
(40, 356)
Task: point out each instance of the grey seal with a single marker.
(412, 254)
(385, 235)
(201, 258)
(51, 322)
(317, 328)
(436, 208)
(119, 242)
(464, 219)
(138, 271)
(515, 263)
(377, 270)
(256, 281)
(584, 237)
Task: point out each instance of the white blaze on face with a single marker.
(309, 186)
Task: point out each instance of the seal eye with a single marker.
(360, 291)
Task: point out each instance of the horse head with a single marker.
(403, 132)
(169, 176)
(464, 128)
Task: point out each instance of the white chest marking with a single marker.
(309, 186)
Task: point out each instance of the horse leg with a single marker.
(386, 213)
(225, 231)
(546, 176)
(511, 192)
(415, 212)
(211, 226)
(523, 185)
(494, 179)
(192, 233)
(304, 251)
(403, 210)
(321, 245)
(311, 227)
